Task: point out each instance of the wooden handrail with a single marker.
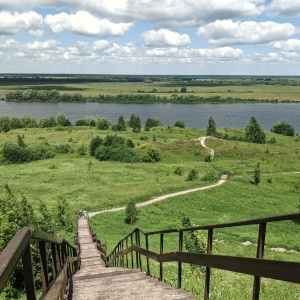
(258, 267)
(64, 261)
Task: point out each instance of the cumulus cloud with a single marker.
(170, 13)
(165, 37)
(86, 24)
(227, 32)
(291, 45)
(285, 8)
(30, 22)
(218, 53)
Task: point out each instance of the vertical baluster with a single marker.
(44, 267)
(147, 247)
(59, 261)
(122, 258)
(54, 260)
(28, 273)
(179, 263)
(260, 255)
(136, 254)
(127, 253)
(132, 260)
(161, 252)
(207, 272)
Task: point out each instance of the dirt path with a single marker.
(161, 198)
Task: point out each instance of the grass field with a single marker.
(94, 185)
(258, 92)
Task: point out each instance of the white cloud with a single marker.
(218, 53)
(227, 32)
(84, 23)
(50, 44)
(30, 22)
(165, 37)
(292, 45)
(285, 8)
(169, 13)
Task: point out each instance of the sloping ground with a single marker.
(95, 281)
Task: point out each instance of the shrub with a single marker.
(131, 214)
(94, 144)
(153, 155)
(193, 175)
(283, 128)
(103, 124)
(152, 123)
(179, 123)
(178, 171)
(81, 150)
(256, 175)
(253, 132)
(211, 130)
(210, 175)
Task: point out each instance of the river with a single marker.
(193, 115)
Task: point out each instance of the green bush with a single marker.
(94, 144)
(193, 175)
(178, 171)
(153, 155)
(210, 175)
(283, 128)
(179, 123)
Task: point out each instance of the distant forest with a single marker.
(189, 80)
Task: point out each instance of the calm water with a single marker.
(193, 115)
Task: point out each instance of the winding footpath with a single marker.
(164, 197)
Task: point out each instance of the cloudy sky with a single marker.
(235, 37)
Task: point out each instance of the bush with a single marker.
(179, 123)
(210, 175)
(153, 155)
(193, 175)
(253, 132)
(103, 124)
(283, 128)
(178, 171)
(94, 144)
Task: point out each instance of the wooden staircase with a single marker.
(95, 281)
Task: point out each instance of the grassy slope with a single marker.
(110, 184)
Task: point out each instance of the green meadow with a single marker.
(96, 185)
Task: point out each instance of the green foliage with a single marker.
(153, 155)
(62, 121)
(120, 126)
(94, 144)
(208, 158)
(211, 130)
(135, 123)
(82, 150)
(116, 148)
(283, 128)
(152, 123)
(193, 175)
(256, 175)
(210, 175)
(131, 214)
(103, 124)
(183, 89)
(179, 123)
(20, 141)
(178, 171)
(254, 133)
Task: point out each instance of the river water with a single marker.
(193, 115)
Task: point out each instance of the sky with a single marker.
(176, 37)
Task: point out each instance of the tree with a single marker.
(283, 128)
(151, 123)
(94, 144)
(183, 89)
(135, 123)
(103, 124)
(62, 120)
(253, 132)
(20, 141)
(120, 126)
(211, 130)
(131, 214)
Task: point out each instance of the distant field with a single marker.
(257, 92)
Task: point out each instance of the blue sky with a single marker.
(226, 37)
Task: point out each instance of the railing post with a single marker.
(136, 254)
(132, 260)
(28, 273)
(207, 272)
(122, 258)
(179, 263)
(54, 260)
(139, 245)
(58, 248)
(126, 253)
(260, 255)
(147, 247)
(161, 252)
(44, 267)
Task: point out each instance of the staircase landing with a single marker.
(95, 281)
